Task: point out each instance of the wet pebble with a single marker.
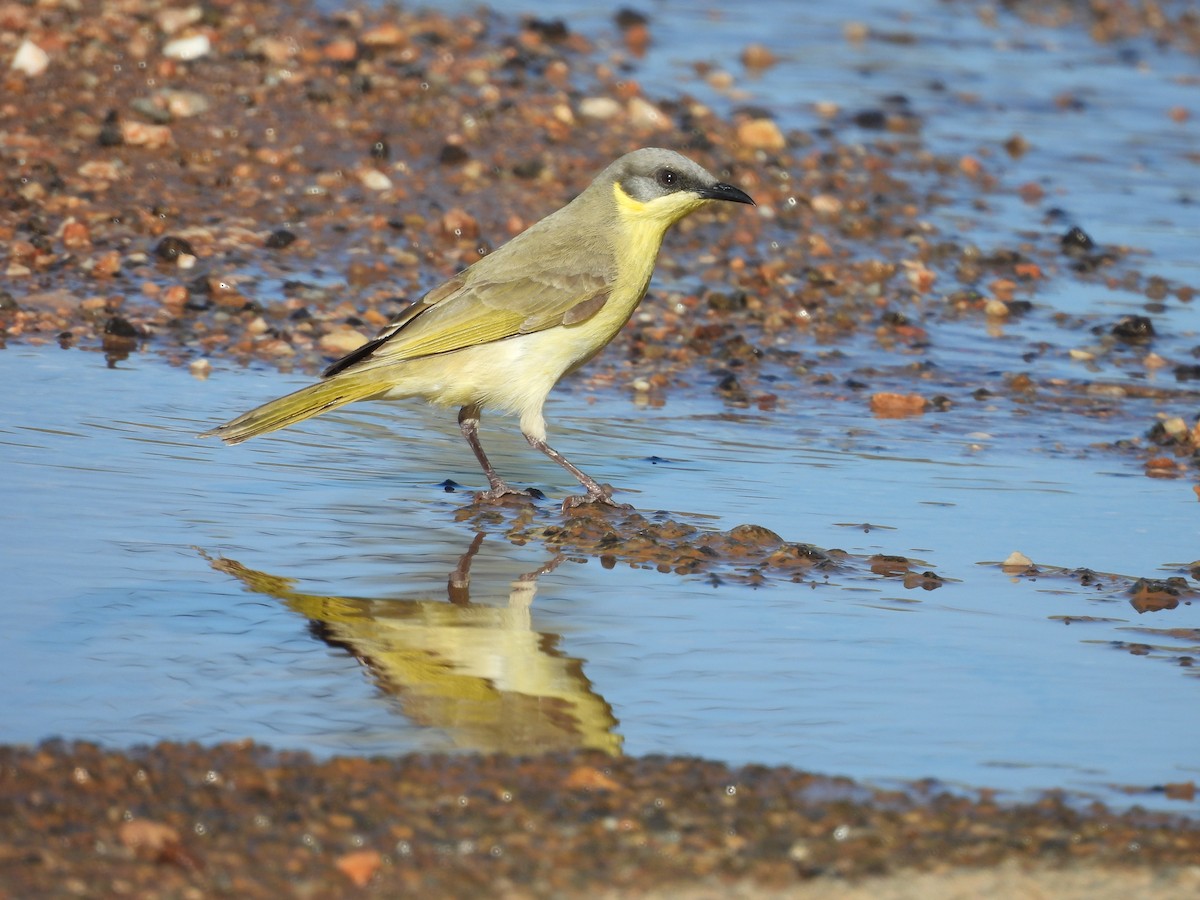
(1134, 329)
(888, 405)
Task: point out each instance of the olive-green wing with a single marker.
(464, 312)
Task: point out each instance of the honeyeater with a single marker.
(502, 332)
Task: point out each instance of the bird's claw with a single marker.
(501, 492)
(601, 497)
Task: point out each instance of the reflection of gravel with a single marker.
(241, 821)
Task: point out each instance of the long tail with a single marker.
(297, 406)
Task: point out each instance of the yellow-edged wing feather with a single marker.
(468, 311)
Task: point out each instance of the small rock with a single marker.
(970, 166)
(200, 368)
(827, 205)
(996, 309)
(758, 56)
(30, 59)
(637, 38)
(107, 265)
(628, 18)
(720, 80)
(360, 866)
(120, 328)
(919, 275)
(101, 169)
(1017, 560)
(589, 778)
(188, 48)
(1076, 242)
(453, 155)
(374, 180)
(152, 137)
(856, 32)
(887, 405)
(279, 238)
(170, 248)
(343, 50)
(75, 236)
(1134, 329)
(386, 35)
(184, 104)
(1175, 427)
(644, 114)
(175, 297)
(143, 835)
(272, 49)
(110, 132)
(761, 134)
(598, 107)
(341, 341)
(172, 21)
(458, 223)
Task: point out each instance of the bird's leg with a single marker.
(596, 492)
(468, 424)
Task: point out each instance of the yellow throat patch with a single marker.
(659, 214)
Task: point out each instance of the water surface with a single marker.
(121, 630)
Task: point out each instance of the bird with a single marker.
(501, 333)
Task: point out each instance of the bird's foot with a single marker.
(501, 492)
(600, 496)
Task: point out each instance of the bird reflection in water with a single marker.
(479, 672)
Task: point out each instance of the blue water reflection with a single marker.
(120, 630)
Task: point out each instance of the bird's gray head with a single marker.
(653, 174)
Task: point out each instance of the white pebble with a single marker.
(598, 107)
(374, 180)
(31, 59)
(187, 48)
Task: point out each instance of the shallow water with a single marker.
(120, 630)
(147, 593)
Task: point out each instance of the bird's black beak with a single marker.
(721, 191)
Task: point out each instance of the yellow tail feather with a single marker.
(296, 407)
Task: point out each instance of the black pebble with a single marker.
(1134, 328)
(627, 18)
(279, 239)
(110, 132)
(121, 328)
(453, 155)
(1076, 241)
(171, 248)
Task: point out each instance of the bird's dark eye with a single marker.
(667, 177)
